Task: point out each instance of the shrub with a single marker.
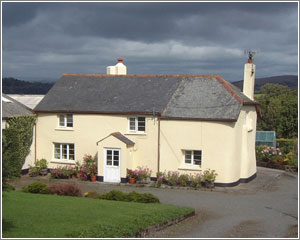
(209, 175)
(269, 154)
(293, 162)
(142, 197)
(160, 178)
(130, 197)
(183, 180)
(41, 164)
(172, 178)
(65, 190)
(7, 187)
(33, 171)
(287, 145)
(89, 166)
(92, 195)
(62, 172)
(36, 187)
(195, 180)
(16, 142)
(140, 173)
(114, 195)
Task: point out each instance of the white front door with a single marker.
(112, 171)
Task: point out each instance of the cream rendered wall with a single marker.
(227, 147)
(248, 157)
(89, 129)
(213, 138)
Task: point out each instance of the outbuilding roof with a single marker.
(170, 96)
(13, 108)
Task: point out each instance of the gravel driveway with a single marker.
(267, 207)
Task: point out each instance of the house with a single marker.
(185, 123)
(13, 108)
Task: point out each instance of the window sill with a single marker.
(136, 133)
(72, 162)
(191, 168)
(64, 129)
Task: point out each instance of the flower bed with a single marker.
(174, 178)
(140, 175)
(86, 171)
(272, 157)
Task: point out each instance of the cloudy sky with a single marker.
(40, 41)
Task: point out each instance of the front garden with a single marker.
(284, 157)
(46, 214)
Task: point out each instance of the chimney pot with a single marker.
(120, 60)
(250, 60)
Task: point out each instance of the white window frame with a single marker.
(65, 116)
(61, 152)
(136, 124)
(113, 154)
(192, 157)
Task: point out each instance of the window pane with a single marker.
(109, 157)
(116, 163)
(141, 124)
(188, 156)
(116, 158)
(61, 120)
(71, 147)
(57, 151)
(116, 153)
(64, 151)
(108, 162)
(132, 124)
(197, 157)
(69, 120)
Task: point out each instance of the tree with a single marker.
(279, 108)
(16, 141)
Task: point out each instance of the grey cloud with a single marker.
(203, 38)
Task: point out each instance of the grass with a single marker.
(28, 215)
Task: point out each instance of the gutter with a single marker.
(35, 128)
(158, 144)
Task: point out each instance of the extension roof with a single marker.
(203, 97)
(120, 137)
(13, 108)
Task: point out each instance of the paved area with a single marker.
(267, 207)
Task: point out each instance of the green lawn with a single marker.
(27, 215)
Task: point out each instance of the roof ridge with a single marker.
(138, 75)
(229, 88)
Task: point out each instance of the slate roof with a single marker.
(171, 96)
(12, 108)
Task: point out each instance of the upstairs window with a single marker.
(193, 157)
(137, 124)
(65, 120)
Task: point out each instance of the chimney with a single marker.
(249, 77)
(118, 69)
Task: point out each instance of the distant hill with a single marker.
(288, 80)
(15, 86)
